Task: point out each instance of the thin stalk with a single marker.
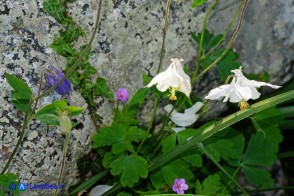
(201, 39)
(226, 31)
(151, 122)
(234, 175)
(23, 129)
(67, 136)
(267, 189)
(164, 34)
(229, 44)
(200, 146)
(76, 64)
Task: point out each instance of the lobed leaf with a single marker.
(131, 168)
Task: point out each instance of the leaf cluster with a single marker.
(123, 137)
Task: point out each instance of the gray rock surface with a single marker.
(128, 42)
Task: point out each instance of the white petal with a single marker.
(183, 120)
(100, 190)
(259, 84)
(178, 129)
(168, 108)
(219, 92)
(195, 108)
(240, 93)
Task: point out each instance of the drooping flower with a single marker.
(122, 94)
(184, 119)
(173, 78)
(53, 76)
(240, 90)
(180, 186)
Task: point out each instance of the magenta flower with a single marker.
(122, 94)
(180, 186)
(53, 75)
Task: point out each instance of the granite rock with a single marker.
(128, 42)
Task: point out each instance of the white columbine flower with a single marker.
(184, 119)
(174, 79)
(239, 91)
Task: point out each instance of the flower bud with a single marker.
(64, 121)
(53, 76)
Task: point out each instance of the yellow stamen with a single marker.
(173, 94)
(243, 104)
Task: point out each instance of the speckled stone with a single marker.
(128, 43)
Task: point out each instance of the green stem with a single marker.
(228, 46)
(76, 64)
(67, 136)
(234, 175)
(226, 31)
(201, 147)
(26, 121)
(201, 39)
(164, 34)
(151, 122)
(267, 189)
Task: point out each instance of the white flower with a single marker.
(100, 190)
(240, 90)
(184, 119)
(174, 79)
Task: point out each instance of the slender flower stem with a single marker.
(228, 46)
(23, 129)
(164, 34)
(75, 65)
(151, 122)
(201, 39)
(226, 31)
(200, 146)
(234, 175)
(67, 136)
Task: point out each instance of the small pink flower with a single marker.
(122, 94)
(180, 186)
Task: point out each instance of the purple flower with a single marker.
(122, 94)
(180, 186)
(53, 75)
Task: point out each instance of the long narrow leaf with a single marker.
(220, 125)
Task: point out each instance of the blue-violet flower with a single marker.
(53, 76)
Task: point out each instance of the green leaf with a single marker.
(198, 2)
(210, 185)
(219, 126)
(193, 157)
(258, 177)
(62, 48)
(55, 9)
(48, 114)
(176, 169)
(131, 168)
(209, 40)
(138, 98)
(263, 145)
(146, 79)
(271, 116)
(6, 180)
(88, 70)
(101, 89)
(169, 143)
(157, 180)
(218, 147)
(125, 116)
(225, 66)
(90, 182)
(21, 93)
(119, 136)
